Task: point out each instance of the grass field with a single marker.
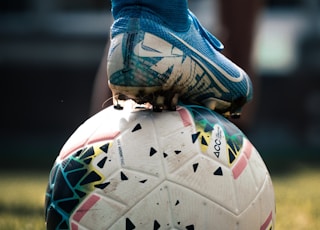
(297, 197)
(21, 201)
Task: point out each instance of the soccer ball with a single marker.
(138, 169)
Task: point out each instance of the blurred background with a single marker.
(50, 52)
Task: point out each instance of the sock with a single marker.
(173, 12)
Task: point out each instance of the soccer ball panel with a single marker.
(204, 176)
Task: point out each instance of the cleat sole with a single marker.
(168, 100)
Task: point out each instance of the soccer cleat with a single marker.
(152, 63)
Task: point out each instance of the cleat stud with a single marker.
(235, 115)
(157, 108)
(172, 108)
(118, 107)
(174, 102)
(235, 112)
(210, 103)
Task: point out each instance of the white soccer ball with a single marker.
(184, 169)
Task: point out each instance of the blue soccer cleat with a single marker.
(150, 62)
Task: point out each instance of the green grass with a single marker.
(22, 201)
(297, 198)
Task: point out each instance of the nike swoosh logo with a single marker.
(222, 71)
(153, 46)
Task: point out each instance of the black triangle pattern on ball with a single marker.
(70, 181)
(218, 172)
(137, 127)
(152, 151)
(195, 137)
(103, 185)
(87, 153)
(143, 181)
(195, 167)
(102, 162)
(190, 227)
(156, 225)
(105, 147)
(203, 141)
(123, 176)
(129, 224)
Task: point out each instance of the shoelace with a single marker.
(206, 34)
